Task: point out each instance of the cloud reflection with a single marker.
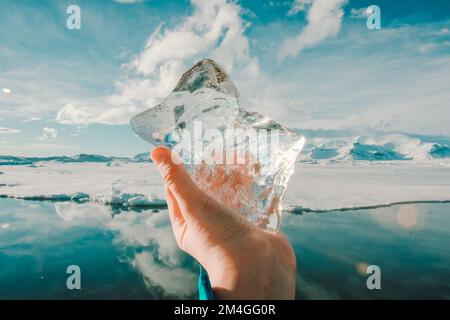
(146, 241)
(407, 216)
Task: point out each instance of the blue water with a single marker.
(132, 255)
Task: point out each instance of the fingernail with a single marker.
(159, 154)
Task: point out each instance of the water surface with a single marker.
(132, 254)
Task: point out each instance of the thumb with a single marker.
(193, 202)
(175, 176)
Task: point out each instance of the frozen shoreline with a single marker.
(319, 186)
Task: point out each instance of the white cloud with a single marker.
(358, 13)
(175, 281)
(324, 20)
(362, 82)
(79, 115)
(31, 119)
(442, 32)
(6, 90)
(427, 48)
(298, 6)
(8, 130)
(48, 133)
(215, 29)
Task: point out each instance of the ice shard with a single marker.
(242, 159)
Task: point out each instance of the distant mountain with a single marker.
(376, 152)
(82, 158)
(330, 145)
(386, 146)
(440, 151)
(142, 157)
(88, 158)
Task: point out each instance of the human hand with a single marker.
(242, 260)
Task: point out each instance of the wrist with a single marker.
(240, 270)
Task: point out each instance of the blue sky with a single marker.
(309, 64)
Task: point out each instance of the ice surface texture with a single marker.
(242, 159)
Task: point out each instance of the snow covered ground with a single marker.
(318, 185)
(118, 183)
(327, 186)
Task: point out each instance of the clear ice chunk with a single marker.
(242, 159)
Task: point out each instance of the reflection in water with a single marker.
(164, 264)
(407, 216)
(161, 263)
(334, 249)
(82, 214)
(361, 268)
(131, 254)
